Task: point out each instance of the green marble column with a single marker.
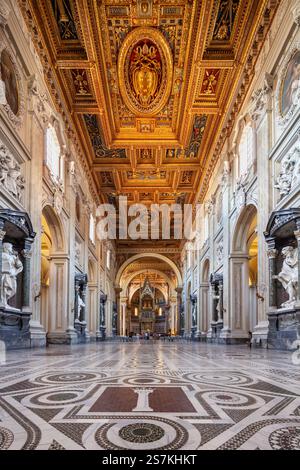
(272, 255)
(297, 235)
(26, 275)
(2, 235)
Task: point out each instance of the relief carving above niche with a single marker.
(145, 71)
(10, 173)
(289, 174)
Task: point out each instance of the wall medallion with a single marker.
(290, 84)
(145, 71)
(11, 91)
(8, 76)
(288, 91)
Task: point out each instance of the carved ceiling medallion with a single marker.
(145, 71)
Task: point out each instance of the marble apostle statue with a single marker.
(194, 314)
(11, 267)
(288, 275)
(80, 305)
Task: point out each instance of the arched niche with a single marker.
(54, 278)
(243, 273)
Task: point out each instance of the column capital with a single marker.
(272, 253)
(297, 235)
(26, 253)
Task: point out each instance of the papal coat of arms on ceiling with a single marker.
(145, 71)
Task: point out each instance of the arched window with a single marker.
(53, 154)
(92, 229)
(246, 150)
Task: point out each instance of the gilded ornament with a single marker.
(145, 71)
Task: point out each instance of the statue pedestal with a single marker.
(37, 335)
(71, 336)
(193, 332)
(80, 328)
(14, 328)
(284, 328)
(260, 335)
(214, 334)
(101, 334)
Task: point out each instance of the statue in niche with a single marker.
(288, 275)
(10, 173)
(80, 305)
(11, 267)
(194, 313)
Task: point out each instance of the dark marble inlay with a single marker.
(141, 432)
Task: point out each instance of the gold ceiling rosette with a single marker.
(145, 71)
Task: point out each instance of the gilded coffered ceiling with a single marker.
(151, 86)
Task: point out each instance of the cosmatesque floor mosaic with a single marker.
(149, 395)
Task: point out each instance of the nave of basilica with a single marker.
(149, 224)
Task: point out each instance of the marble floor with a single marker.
(149, 395)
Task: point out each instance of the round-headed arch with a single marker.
(128, 280)
(149, 255)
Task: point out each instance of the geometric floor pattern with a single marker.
(149, 395)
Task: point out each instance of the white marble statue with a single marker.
(80, 305)
(11, 267)
(288, 275)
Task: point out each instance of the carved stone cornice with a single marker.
(170, 251)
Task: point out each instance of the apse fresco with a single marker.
(291, 84)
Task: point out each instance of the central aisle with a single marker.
(149, 395)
